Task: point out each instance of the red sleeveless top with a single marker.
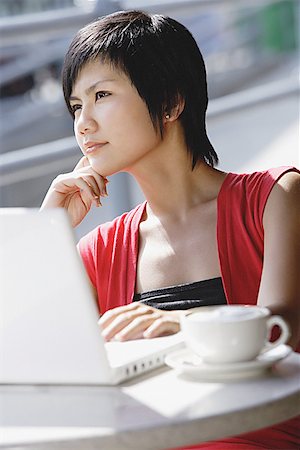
(110, 251)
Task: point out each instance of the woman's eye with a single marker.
(101, 94)
(74, 108)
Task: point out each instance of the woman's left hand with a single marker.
(136, 320)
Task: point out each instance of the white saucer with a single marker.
(185, 361)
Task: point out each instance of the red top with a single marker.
(110, 251)
(241, 203)
(110, 256)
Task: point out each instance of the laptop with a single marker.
(48, 316)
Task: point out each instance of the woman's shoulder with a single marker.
(247, 193)
(273, 173)
(254, 182)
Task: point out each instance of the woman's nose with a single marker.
(86, 122)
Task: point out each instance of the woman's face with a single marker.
(112, 124)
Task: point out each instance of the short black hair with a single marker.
(163, 62)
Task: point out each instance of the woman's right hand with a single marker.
(76, 191)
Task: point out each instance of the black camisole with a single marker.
(185, 296)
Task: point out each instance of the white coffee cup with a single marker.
(231, 333)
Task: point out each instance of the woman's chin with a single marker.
(99, 168)
(105, 170)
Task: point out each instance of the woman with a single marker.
(136, 87)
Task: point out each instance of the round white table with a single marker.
(155, 411)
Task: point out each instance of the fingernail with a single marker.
(105, 335)
(119, 337)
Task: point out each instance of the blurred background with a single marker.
(251, 50)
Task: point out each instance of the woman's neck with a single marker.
(169, 184)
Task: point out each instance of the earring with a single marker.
(167, 116)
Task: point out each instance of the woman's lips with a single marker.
(92, 147)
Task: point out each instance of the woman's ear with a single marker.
(171, 116)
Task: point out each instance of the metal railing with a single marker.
(39, 27)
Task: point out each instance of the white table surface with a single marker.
(155, 411)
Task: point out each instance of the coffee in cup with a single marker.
(231, 333)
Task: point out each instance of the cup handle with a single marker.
(285, 331)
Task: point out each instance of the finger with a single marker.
(85, 202)
(82, 186)
(83, 162)
(111, 314)
(101, 181)
(70, 184)
(118, 324)
(124, 320)
(163, 326)
(136, 328)
(93, 185)
(86, 199)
